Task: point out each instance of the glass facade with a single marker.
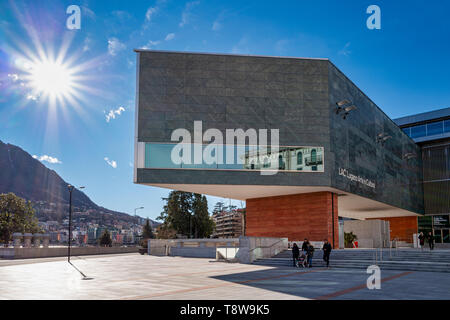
(436, 175)
(231, 157)
(429, 129)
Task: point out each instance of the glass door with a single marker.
(437, 236)
(445, 236)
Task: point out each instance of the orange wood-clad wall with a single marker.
(402, 228)
(299, 216)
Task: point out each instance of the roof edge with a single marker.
(228, 54)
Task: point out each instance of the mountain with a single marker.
(28, 178)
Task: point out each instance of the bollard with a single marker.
(27, 240)
(17, 237)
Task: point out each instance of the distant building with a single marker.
(229, 224)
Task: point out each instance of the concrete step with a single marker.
(363, 264)
(401, 259)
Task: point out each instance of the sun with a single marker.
(51, 78)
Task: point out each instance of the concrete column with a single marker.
(17, 237)
(37, 240)
(45, 240)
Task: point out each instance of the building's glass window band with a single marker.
(428, 129)
(305, 159)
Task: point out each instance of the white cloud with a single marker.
(47, 159)
(31, 96)
(345, 51)
(112, 163)
(86, 44)
(14, 77)
(170, 36)
(114, 46)
(217, 24)
(151, 44)
(121, 15)
(150, 12)
(185, 16)
(112, 113)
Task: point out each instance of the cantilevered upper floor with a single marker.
(332, 137)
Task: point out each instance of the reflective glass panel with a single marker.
(231, 157)
(435, 128)
(418, 131)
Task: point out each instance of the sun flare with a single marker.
(51, 78)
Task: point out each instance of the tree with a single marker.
(147, 231)
(218, 207)
(348, 239)
(105, 239)
(186, 213)
(203, 224)
(16, 215)
(165, 232)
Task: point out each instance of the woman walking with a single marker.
(295, 254)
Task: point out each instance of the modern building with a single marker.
(228, 224)
(431, 131)
(338, 154)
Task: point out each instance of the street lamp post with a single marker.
(135, 215)
(70, 187)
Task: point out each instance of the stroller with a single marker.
(301, 261)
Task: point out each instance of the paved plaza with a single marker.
(134, 276)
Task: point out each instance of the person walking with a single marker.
(421, 240)
(326, 252)
(310, 254)
(295, 254)
(430, 239)
(305, 246)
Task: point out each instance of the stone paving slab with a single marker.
(134, 276)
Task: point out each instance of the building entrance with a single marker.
(441, 235)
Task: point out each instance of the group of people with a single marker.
(430, 240)
(304, 258)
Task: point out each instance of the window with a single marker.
(313, 156)
(435, 128)
(447, 125)
(407, 131)
(299, 158)
(281, 165)
(418, 131)
(232, 157)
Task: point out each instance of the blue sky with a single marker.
(403, 68)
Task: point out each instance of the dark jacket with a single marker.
(305, 246)
(326, 248)
(421, 239)
(430, 238)
(310, 251)
(295, 251)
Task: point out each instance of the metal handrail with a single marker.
(266, 246)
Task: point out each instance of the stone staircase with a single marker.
(395, 259)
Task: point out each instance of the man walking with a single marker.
(430, 239)
(295, 254)
(326, 252)
(310, 254)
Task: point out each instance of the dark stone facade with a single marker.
(296, 96)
